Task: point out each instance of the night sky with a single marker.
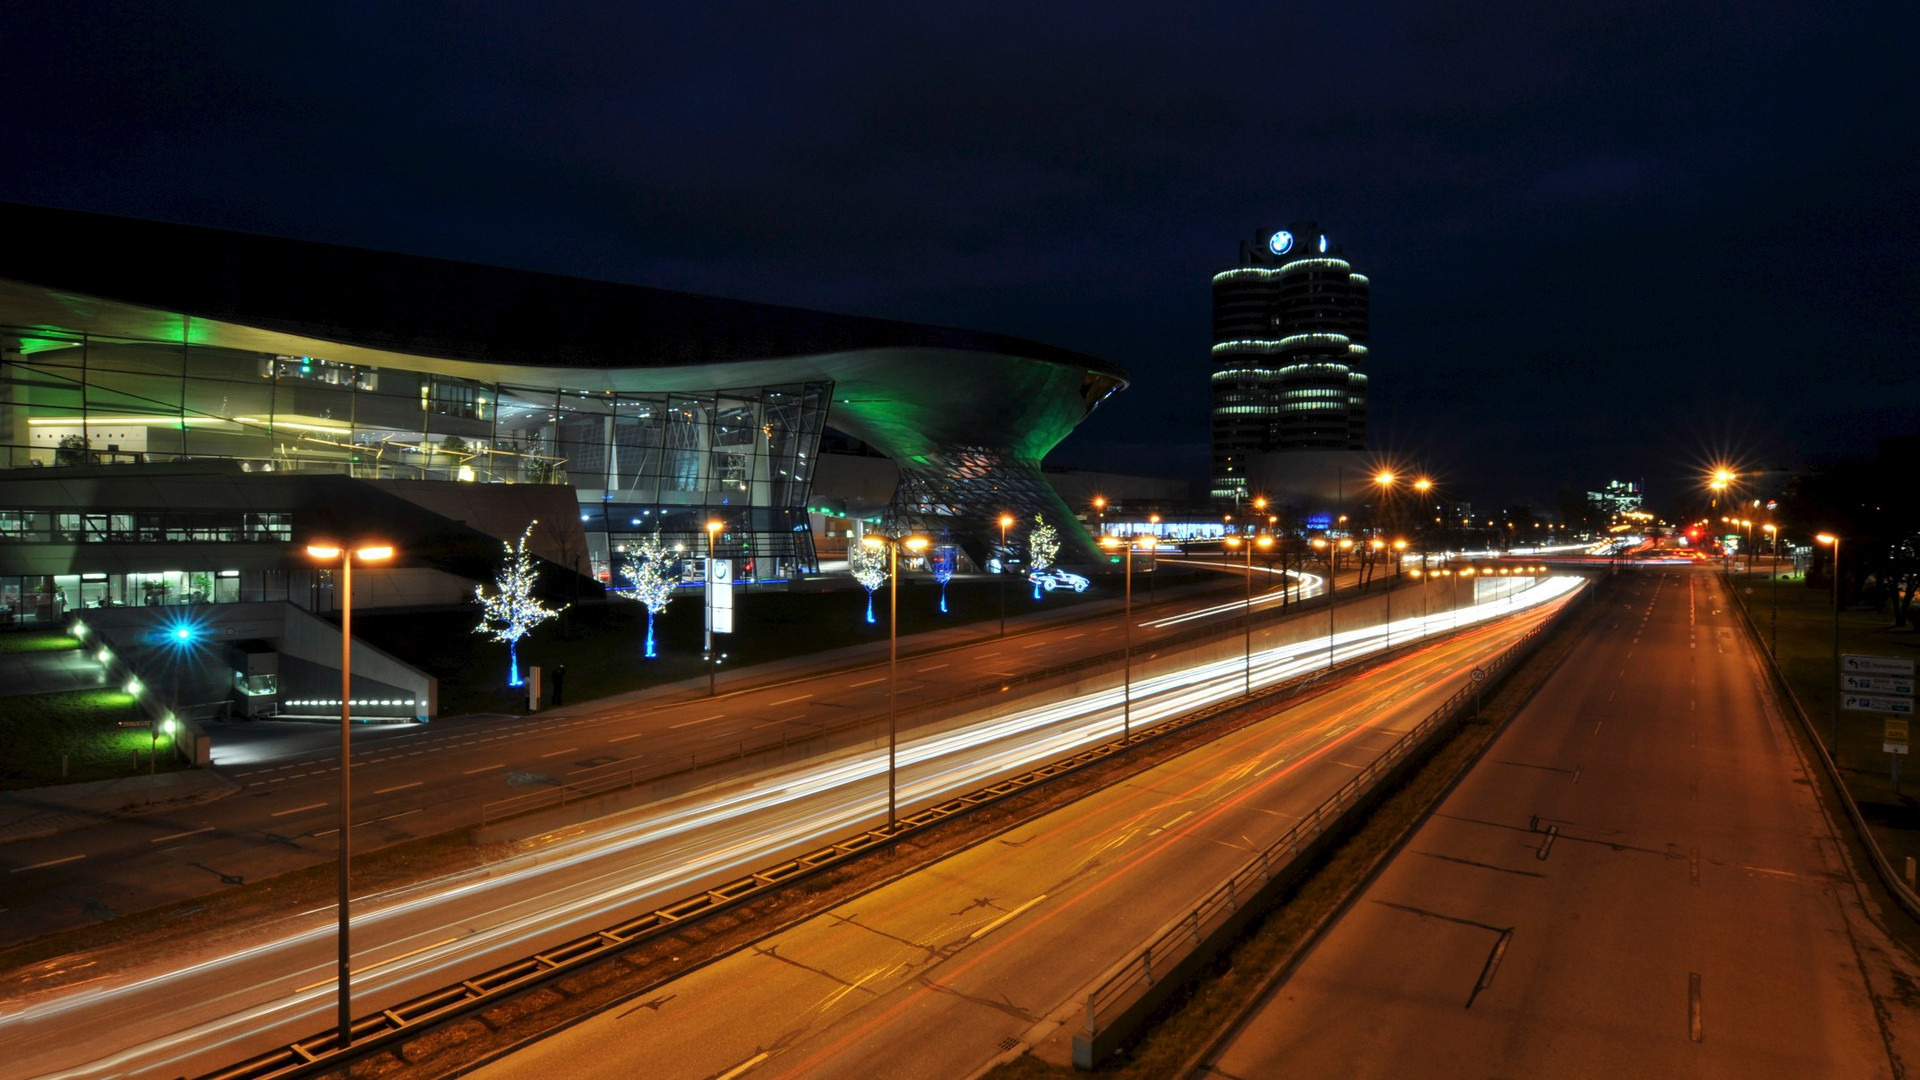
(1606, 240)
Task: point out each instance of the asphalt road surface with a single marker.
(1636, 880)
(414, 780)
(272, 984)
(943, 970)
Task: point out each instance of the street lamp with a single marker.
(1333, 549)
(913, 543)
(713, 658)
(1006, 522)
(1834, 737)
(1100, 508)
(328, 553)
(1153, 564)
(1126, 638)
(1773, 575)
(1264, 542)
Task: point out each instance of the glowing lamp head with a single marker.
(917, 543)
(1384, 479)
(872, 541)
(1266, 541)
(1827, 538)
(1006, 521)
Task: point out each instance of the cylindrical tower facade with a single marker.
(1289, 355)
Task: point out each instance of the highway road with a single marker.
(941, 971)
(1636, 880)
(243, 995)
(413, 780)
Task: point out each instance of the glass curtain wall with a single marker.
(671, 461)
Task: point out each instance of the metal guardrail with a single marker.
(322, 1052)
(1126, 994)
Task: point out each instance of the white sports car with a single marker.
(1056, 578)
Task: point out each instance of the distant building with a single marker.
(1618, 497)
(1289, 396)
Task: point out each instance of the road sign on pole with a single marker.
(1852, 664)
(1877, 684)
(1900, 706)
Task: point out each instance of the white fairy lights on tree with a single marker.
(1043, 543)
(869, 566)
(511, 612)
(650, 569)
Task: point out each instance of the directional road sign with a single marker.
(1901, 706)
(1877, 684)
(1851, 664)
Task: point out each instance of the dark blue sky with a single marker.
(1604, 240)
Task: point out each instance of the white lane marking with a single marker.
(624, 738)
(745, 1065)
(297, 809)
(869, 682)
(178, 835)
(932, 667)
(402, 787)
(484, 768)
(403, 813)
(995, 924)
(49, 862)
(557, 753)
(702, 720)
(791, 700)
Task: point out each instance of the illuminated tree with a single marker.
(511, 612)
(650, 569)
(1043, 543)
(869, 566)
(940, 561)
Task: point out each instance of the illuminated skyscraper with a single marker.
(1289, 349)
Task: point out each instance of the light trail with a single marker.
(192, 1015)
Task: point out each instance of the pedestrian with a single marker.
(559, 682)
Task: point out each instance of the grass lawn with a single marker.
(86, 726)
(13, 642)
(1805, 627)
(603, 645)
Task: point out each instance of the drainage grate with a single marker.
(1006, 1044)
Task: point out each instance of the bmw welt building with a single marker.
(181, 407)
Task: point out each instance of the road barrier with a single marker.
(1122, 1000)
(323, 1053)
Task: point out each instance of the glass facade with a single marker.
(669, 460)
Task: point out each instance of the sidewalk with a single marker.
(44, 811)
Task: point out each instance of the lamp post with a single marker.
(713, 658)
(915, 543)
(1773, 578)
(328, 553)
(1833, 739)
(1100, 508)
(1126, 637)
(1006, 522)
(1248, 543)
(1333, 549)
(1153, 564)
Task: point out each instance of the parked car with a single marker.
(1056, 579)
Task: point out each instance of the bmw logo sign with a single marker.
(1280, 243)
